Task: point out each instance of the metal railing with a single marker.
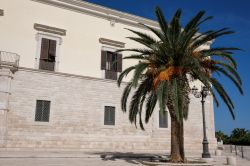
(46, 65)
(238, 150)
(9, 60)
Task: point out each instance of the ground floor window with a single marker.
(42, 111)
(109, 115)
(163, 119)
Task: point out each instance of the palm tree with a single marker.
(220, 136)
(171, 56)
(239, 133)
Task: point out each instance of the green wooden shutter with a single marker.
(103, 59)
(52, 48)
(119, 62)
(44, 54)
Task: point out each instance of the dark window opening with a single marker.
(163, 119)
(42, 111)
(109, 115)
(48, 54)
(111, 62)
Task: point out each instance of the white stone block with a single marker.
(218, 152)
(231, 160)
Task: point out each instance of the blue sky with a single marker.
(234, 14)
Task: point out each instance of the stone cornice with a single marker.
(49, 29)
(67, 75)
(103, 12)
(112, 42)
(100, 11)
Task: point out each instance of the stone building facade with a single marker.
(59, 92)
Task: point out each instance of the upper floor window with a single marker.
(163, 119)
(49, 40)
(111, 62)
(47, 54)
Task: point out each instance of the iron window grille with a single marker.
(42, 111)
(109, 115)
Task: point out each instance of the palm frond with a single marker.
(162, 95)
(161, 20)
(139, 69)
(210, 37)
(123, 74)
(157, 32)
(125, 96)
(225, 56)
(146, 38)
(137, 100)
(236, 82)
(224, 96)
(231, 70)
(194, 21)
(150, 105)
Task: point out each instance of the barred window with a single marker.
(42, 111)
(109, 115)
(163, 119)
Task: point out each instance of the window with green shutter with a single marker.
(42, 111)
(109, 115)
(163, 119)
(111, 62)
(47, 55)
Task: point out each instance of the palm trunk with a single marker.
(177, 141)
(177, 128)
(181, 137)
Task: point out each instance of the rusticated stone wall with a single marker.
(77, 117)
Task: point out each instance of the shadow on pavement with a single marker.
(131, 158)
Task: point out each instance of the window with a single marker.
(42, 111)
(47, 54)
(163, 119)
(1, 12)
(109, 115)
(111, 62)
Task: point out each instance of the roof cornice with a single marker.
(100, 11)
(103, 12)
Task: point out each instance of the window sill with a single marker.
(164, 129)
(38, 123)
(108, 126)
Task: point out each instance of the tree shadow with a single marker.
(131, 158)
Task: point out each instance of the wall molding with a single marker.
(101, 12)
(49, 29)
(61, 74)
(112, 42)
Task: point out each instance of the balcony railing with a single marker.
(46, 65)
(9, 60)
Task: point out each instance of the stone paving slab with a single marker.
(84, 159)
